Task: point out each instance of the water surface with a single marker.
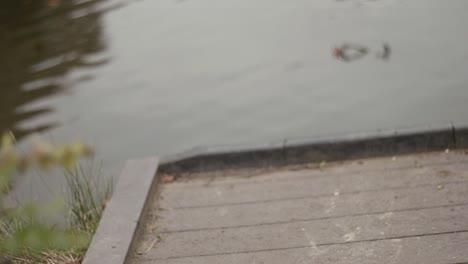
(144, 78)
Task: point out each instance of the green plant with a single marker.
(89, 193)
(23, 236)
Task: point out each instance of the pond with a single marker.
(145, 78)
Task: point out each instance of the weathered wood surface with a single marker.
(412, 209)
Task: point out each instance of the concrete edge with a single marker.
(460, 131)
(113, 239)
(317, 149)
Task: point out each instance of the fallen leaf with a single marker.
(167, 178)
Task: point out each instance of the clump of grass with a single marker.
(89, 193)
(34, 242)
(50, 257)
(24, 238)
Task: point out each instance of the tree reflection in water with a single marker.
(40, 43)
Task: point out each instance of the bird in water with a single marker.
(349, 52)
(386, 52)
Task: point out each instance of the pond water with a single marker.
(144, 78)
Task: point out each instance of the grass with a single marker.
(89, 193)
(49, 257)
(87, 196)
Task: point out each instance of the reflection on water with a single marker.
(39, 44)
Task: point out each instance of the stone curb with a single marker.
(333, 148)
(113, 239)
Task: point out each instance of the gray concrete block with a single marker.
(187, 158)
(114, 236)
(402, 141)
(461, 134)
(294, 151)
(226, 157)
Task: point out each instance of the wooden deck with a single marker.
(410, 209)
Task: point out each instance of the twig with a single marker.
(150, 246)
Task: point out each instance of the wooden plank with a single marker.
(311, 208)
(309, 185)
(317, 232)
(431, 249)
